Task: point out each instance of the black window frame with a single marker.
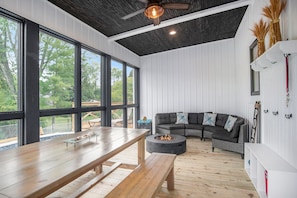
(30, 113)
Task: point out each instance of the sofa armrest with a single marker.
(243, 133)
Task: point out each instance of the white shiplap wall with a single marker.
(50, 16)
(277, 132)
(193, 79)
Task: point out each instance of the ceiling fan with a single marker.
(155, 8)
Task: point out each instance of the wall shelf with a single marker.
(274, 55)
(281, 177)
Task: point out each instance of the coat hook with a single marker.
(275, 113)
(265, 110)
(288, 116)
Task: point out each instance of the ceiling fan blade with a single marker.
(156, 21)
(133, 14)
(176, 6)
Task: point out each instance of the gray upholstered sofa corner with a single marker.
(221, 138)
(165, 124)
(235, 145)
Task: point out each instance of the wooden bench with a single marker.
(147, 179)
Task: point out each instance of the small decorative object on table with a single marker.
(145, 124)
(80, 139)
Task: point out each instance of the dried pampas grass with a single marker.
(260, 30)
(273, 12)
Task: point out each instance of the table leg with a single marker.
(141, 150)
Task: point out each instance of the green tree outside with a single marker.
(56, 73)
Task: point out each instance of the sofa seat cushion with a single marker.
(171, 126)
(225, 136)
(194, 126)
(215, 129)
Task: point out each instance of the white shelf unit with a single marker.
(281, 176)
(274, 55)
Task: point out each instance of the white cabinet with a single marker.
(271, 175)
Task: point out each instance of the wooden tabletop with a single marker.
(38, 169)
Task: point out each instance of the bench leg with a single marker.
(141, 151)
(170, 180)
(98, 169)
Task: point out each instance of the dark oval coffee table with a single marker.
(177, 145)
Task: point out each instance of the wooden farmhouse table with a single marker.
(39, 169)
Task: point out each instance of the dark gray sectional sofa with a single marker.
(165, 123)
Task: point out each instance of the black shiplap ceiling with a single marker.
(105, 16)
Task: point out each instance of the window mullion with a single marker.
(77, 98)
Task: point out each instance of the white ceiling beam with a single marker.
(188, 17)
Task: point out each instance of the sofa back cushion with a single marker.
(162, 118)
(235, 131)
(193, 118)
(172, 117)
(221, 119)
(200, 118)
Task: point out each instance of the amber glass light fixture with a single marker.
(154, 11)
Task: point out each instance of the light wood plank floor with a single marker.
(198, 173)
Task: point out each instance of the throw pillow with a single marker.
(230, 123)
(236, 128)
(182, 118)
(209, 119)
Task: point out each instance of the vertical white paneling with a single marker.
(172, 86)
(38, 13)
(48, 19)
(278, 132)
(202, 65)
(69, 27)
(205, 78)
(60, 22)
(181, 67)
(167, 92)
(212, 92)
(189, 79)
(26, 7)
(218, 73)
(192, 80)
